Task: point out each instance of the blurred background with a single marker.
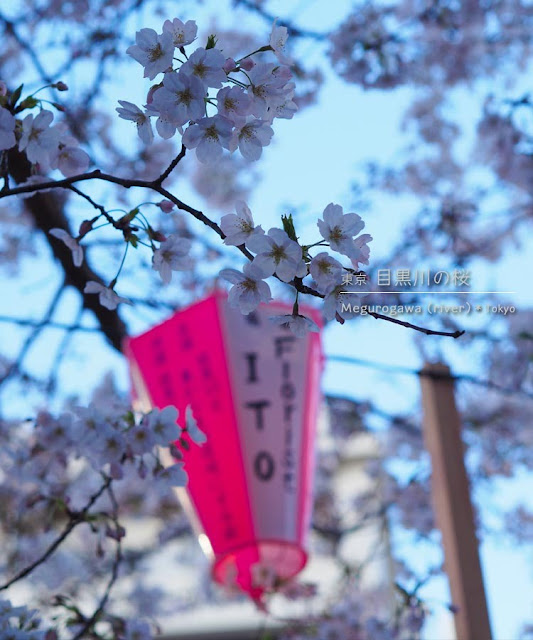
(417, 116)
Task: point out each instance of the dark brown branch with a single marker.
(155, 185)
(172, 165)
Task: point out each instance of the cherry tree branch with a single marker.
(47, 212)
(409, 325)
(75, 518)
(155, 185)
(114, 570)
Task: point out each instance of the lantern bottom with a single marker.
(259, 567)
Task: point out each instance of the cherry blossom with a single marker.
(108, 447)
(338, 229)
(192, 429)
(54, 433)
(154, 52)
(278, 42)
(38, 139)
(249, 289)
(337, 302)
(360, 252)
(182, 33)
(171, 256)
(163, 424)
(251, 136)
(277, 253)
(208, 137)
(175, 475)
(207, 66)
(283, 106)
(266, 88)
(70, 160)
(140, 438)
(180, 99)
(326, 271)
(108, 298)
(233, 103)
(239, 227)
(77, 251)
(7, 129)
(298, 324)
(19, 623)
(130, 111)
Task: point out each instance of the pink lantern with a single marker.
(254, 391)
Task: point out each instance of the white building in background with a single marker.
(367, 545)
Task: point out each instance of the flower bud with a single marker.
(166, 206)
(229, 65)
(248, 64)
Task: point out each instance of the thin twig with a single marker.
(155, 185)
(172, 165)
(76, 518)
(114, 571)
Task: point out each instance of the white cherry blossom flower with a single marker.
(266, 87)
(283, 105)
(207, 65)
(249, 289)
(233, 103)
(239, 227)
(191, 427)
(77, 251)
(70, 160)
(38, 139)
(180, 99)
(251, 136)
(55, 433)
(130, 111)
(108, 448)
(339, 228)
(7, 129)
(340, 303)
(360, 252)
(140, 439)
(88, 424)
(182, 33)
(209, 136)
(277, 253)
(278, 42)
(163, 424)
(153, 51)
(175, 475)
(326, 271)
(298, 324)
(108, 298)
(171, 256)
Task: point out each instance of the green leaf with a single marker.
(16, 95)
(211, 41)
(288, 226)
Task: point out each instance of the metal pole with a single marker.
(451, 499)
